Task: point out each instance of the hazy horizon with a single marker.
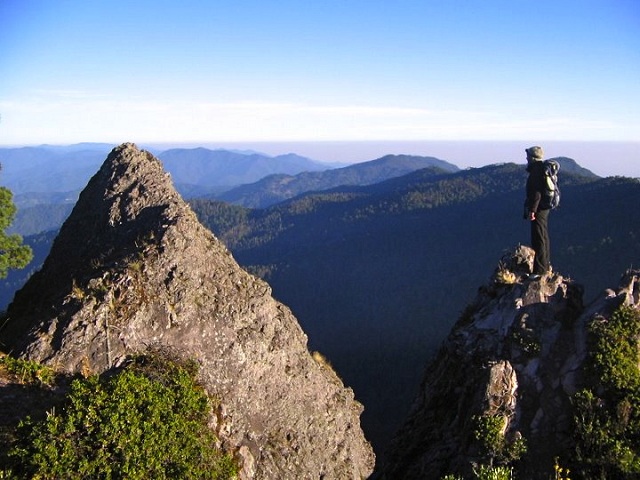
(330, 71)
(604, 158)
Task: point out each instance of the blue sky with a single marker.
(318, 70)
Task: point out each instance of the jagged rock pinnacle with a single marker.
(132, 268)
(517, 353)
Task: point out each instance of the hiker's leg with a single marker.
(540, 242)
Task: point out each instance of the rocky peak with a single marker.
(517, 354)
(132, 268)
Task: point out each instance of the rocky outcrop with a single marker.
(132, 268)
(516, 354)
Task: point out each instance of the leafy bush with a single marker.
(616, 353)
(483, 472)
(494, 446)
(147, 421)
(559, 472)
(607, 414)
(27, 372)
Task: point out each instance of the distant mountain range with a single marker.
(55, 169)
(276, 188)
(49, 169)
(219, 170)
(377, 272)
(46, 180)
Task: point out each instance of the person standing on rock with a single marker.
(536, 214)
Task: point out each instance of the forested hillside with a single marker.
(377, 275)
(277, 188)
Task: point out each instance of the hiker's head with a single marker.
(534, 154)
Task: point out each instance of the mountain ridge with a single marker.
(203, 167)
(383, 273)
(47, 169)
(518, 356)
(145, 272)
(350, 261)
(277, 188)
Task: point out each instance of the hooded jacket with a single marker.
(536, 184)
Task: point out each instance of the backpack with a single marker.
(551, 195)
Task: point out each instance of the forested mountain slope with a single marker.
(377, 275)
(277, 188)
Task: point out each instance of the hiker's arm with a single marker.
(532, 204)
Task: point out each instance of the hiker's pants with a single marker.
(540, 242)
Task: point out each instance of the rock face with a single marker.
(517, 354)
(133, 268)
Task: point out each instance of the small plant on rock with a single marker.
(150, 420)
(494, 445)
(26, 371)
(559, 472)
(505, 277)
(483, 472)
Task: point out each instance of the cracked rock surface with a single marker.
(517, 353)
(132, 268)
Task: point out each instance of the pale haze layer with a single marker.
(470, 82)
(602, 158)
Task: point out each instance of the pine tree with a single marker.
(13, 254)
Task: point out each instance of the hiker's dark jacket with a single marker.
(536, 185)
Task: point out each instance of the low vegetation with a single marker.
(607, 414)
(26, 372)
(495, 447)
(485, 472)
(149, 420)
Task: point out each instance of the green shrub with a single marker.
(147, 421)
(615, 352)
(607, 413)
(27, 372)
(13, 253)
(483, 472)
(494, 446)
